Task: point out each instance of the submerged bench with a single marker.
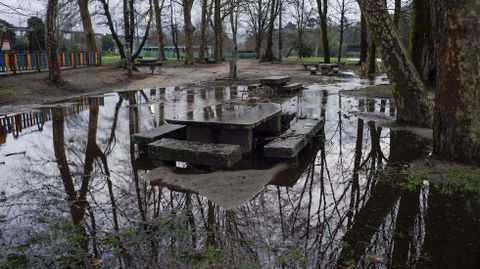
(292, 87)
(213, 155)
(290, 143)
(165, 131)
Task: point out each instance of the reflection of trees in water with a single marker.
(337, 214)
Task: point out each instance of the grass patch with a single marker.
(110, 60)
(314, 60)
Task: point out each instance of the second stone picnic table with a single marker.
(231, 123)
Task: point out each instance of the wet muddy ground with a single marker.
(74, 191)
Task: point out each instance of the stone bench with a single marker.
(212, 155)
(292, 87)
(165, 131)
(290, 143)
(144, 62)
(307, 65)
(313, 71)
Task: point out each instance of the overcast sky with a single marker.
(24, 10)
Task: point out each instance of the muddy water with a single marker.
(74, 194)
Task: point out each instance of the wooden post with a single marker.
(233, 69)
(14, 63)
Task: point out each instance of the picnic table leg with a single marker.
(243, 138)
(200, 134)
(271, 127)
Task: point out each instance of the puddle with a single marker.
(74, 192)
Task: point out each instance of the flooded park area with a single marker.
(77, 191)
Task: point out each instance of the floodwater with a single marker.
(74, 193)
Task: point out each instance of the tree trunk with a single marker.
(421, 46)
(268, 56)
(342, 31)
(363, 41)
(322, 12)
(397, 13)
(258, 46)
(260, 29)
(409, 92)
(188, 29)
(115, 37)
(280, 44)
(54, 74)
(131, 15)
(158, 22)
(457, 105)
(372, 57)
(203, 32)
(218, 31)
(147, 30)
(173, 30)
(87, 25)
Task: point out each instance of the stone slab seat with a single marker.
(177, 131)
(212, 155)
(290, 143)
(292, 87)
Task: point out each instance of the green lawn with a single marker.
(313, 60)
(109, 60)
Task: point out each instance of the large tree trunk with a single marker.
(457, 105)
(188, 29)
(363, 41)
(322, 12)
(54, 74)
(203, 32)
(421, 46)
(410, 94)
(158, 22)
(268, 56)
(87, 25)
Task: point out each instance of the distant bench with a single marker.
(306, 66)
(212, 155)
(290, 143)
(145, 62)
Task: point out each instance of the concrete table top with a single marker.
(275, 80)
(229, 116)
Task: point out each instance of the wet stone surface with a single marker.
(290, 143)
(213, 155)
(74, 191)
(229, 116)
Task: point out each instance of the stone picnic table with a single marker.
(231, 123)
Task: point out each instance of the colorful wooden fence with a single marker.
(17, 123)
(19, 62)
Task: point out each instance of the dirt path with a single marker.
(27, 91)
